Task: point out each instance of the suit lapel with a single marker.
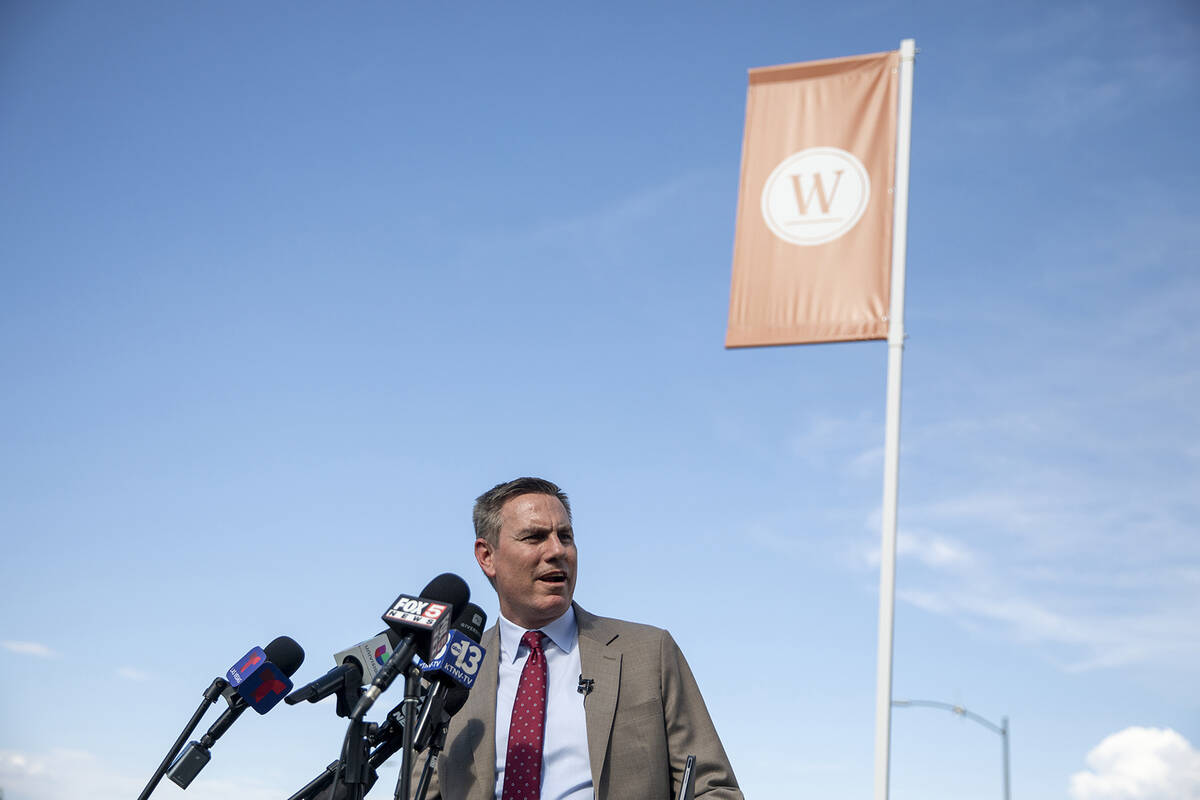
(601, 664)
(481, 705)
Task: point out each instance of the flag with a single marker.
(812, 248)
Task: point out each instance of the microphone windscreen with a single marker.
(455, 700)
(470, 621)
(447, 588)
(285, 653)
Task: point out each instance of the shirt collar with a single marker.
(563, 632)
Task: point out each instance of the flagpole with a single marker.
(891, 466)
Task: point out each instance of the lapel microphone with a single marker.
(585, 686)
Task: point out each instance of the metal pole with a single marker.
(891, 467)
(1004, 736)
(1001, 729)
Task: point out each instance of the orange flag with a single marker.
(812, 250)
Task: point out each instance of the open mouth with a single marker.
(554, 578)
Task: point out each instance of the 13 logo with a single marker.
(467, 656)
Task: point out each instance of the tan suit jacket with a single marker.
(644, 717)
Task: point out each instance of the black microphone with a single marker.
(357, 666)
(456, 665)
(346, 673)
(435, 740)
(421, 622)
(259, 680)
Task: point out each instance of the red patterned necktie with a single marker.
(523, 759)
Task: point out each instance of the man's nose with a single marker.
(554, 547)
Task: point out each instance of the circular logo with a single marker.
(816, 195)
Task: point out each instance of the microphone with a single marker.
(456, 665)
(370, 655)
(423, 624)
(447, 696)
(258, 680)
(356, 666)
(459, 657)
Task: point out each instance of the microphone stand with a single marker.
(359, 772)
(314, 787)
(215, 689)
(412, 696)
(436, 743)
(387, 739)
(357, 756)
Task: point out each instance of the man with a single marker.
(568, 705)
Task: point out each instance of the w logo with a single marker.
(815, 196)
(818, 190)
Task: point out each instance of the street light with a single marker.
(1001, 729)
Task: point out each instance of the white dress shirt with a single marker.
(566, 770)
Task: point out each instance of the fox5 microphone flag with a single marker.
(812, 247)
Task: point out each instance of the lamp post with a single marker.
(1001, 729)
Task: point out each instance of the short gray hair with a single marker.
(489, 504)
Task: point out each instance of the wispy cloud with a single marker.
(604, 229)
(1055, 533)
(822, 432)
(930, 549)
(61, 773)
(1075, 77)
(36, 649)
(1077, 641)
(1088, 605)
(132, 674)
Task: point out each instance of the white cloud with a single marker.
(63, 774)
(1140, 764)
(132, 674)
(868, 463)
(822, 432)
(932, 550)
(29, 649)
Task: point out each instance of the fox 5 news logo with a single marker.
(414, 611)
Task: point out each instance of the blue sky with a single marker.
(285, 287)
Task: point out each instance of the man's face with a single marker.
(533, 560)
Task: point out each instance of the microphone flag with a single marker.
(425, 619)
(259, 682)
(459, 658)
(370, 654)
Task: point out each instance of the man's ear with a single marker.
(483, 554)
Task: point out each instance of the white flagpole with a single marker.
(891, 466)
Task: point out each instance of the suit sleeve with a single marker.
(690, 730)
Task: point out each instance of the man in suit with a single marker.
(569, 705)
